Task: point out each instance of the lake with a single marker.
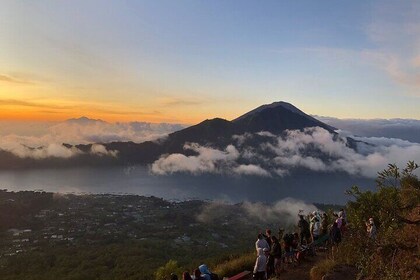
(309, 186)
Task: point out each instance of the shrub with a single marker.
(164, 272)
(393, 254)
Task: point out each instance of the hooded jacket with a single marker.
(205, 272)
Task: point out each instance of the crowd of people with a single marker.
(315, 230)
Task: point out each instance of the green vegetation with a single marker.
(394, 207)
(164, 272)
(53, 236)
(236, 264)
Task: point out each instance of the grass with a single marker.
(236, 265)
(319, 270)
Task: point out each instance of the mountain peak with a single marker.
(276, 104)
(277, 117)
(84, 120)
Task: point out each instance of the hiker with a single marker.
(335, 237)
(259, 272)
(342, 217)
(304, 232)
(338, 220)
(316, 229)
(268, 237)
(295, 246)
(261, 242)
(197, 275)
(186, 276)
(206, 273)
(324, 224)
(314, 226)
(277, 255)
(371, 228)
(281, 232)
(288, 244)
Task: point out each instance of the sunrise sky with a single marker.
(185, 61)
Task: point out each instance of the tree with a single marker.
(395, 208)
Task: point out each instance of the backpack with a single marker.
(288, 239)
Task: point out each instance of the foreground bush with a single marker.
(393, 254)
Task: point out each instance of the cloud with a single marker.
(44, 139)
(208, 160)
(251, 169)
(50, 150)
(15, 102)
(266, 134)
(396, 31)
(172, 101)
(101, 150)
(406, 129)
(13, 80)
(313, 148)
(284, 212)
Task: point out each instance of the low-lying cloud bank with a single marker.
(54, 151)
(314, 149)
(406, 129)
(284, 211)
(40, 140)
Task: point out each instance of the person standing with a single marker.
(261, 242)
(335, 237)
(259, 272)
(304, 232)
(371, 228)
(275, 253)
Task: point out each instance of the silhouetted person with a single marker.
(304, 232)
(186, 276)
(335, 237)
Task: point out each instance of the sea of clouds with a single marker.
(313, 148)
(40, 140)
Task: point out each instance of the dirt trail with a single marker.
(301, 272)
